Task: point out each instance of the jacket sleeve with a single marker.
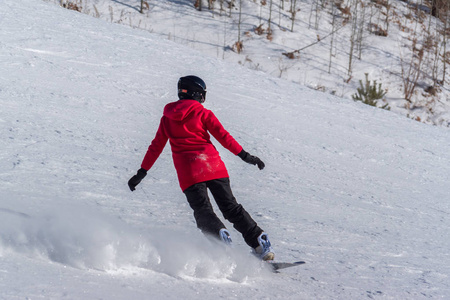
(155, 148)
(214, 126)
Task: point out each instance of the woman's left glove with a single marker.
(136, 179)
(250, 159)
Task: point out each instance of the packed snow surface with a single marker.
(361, 194)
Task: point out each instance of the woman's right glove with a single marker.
(250, 159)
(136, 179)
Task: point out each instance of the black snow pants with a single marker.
(207, 220)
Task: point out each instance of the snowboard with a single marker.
(275, 266)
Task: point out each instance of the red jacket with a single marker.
(186, 123)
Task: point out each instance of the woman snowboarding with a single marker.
(187, 125)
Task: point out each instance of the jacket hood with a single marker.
(180, 109)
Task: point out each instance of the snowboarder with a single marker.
(188, 125)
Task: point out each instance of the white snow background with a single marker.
(359, 193)
(214, 32)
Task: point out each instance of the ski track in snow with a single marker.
(360, 194)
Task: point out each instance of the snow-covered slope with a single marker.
(359, 193)
(316, 53)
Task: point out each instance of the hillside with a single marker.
(398, 44)
(359, 193)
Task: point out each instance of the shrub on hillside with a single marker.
(369, 93)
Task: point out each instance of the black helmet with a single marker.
(192, 87)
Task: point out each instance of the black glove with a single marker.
(250, 159)
(136, 179)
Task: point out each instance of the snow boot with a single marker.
(264, 250)
(225, 236)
